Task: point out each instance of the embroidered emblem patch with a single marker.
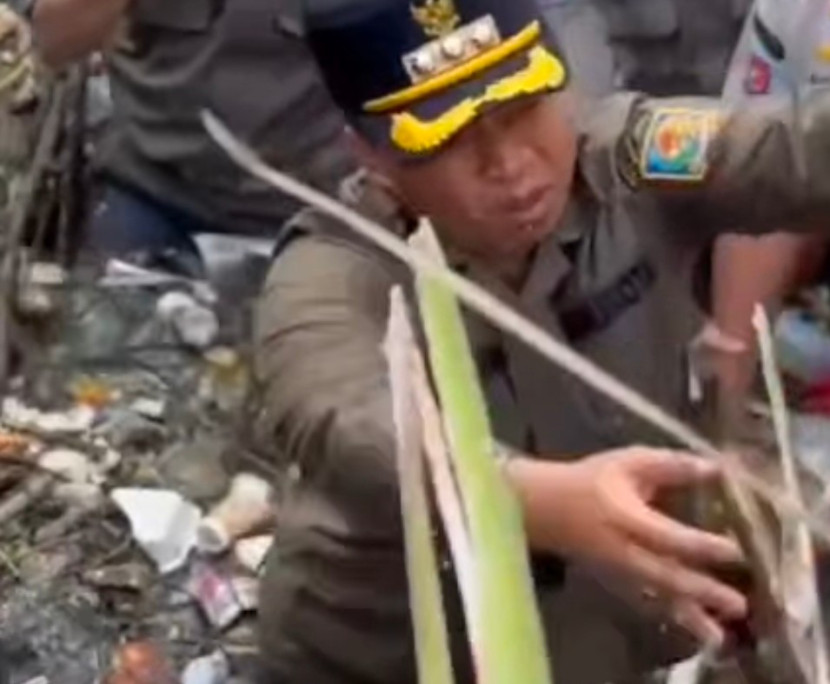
(676, 144)
(436, 17)
(759, 78)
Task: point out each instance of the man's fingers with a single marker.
(684, 584)
(714, 339)
(667, 537)
(694, 618)
(658, 468)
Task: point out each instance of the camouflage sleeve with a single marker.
(320, 326)
(758, 168)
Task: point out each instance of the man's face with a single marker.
(500, 188)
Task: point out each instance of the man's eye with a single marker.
(519, 109)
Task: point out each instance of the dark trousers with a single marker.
(137, 228)
(594, 636)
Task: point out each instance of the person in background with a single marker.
(672, 47)
(582, 29)
(21, 7)
(660, 47)
(18, 82)
(591, 227)
(165, 179)
(685, 47)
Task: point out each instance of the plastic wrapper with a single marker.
(215, 595)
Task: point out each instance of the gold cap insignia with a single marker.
(436, 17)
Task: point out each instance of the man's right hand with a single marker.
(599, 510)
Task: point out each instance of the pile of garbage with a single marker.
(135, 518)
(803, 347)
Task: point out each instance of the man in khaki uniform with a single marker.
(592, 231)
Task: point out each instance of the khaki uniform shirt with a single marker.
(246, 61)
(614, 281)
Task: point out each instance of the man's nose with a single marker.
(502, 158)
(504, 162)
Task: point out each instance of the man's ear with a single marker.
(361, 150)
(379, 167)
(369, 158)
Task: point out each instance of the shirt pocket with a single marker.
(189, 16)
(640, 19)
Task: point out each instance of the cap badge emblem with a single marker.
(436, 17)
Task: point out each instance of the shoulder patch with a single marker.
(676, 144)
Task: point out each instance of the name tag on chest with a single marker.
(600, 310)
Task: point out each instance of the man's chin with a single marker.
(519, 245)
(527, 236)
